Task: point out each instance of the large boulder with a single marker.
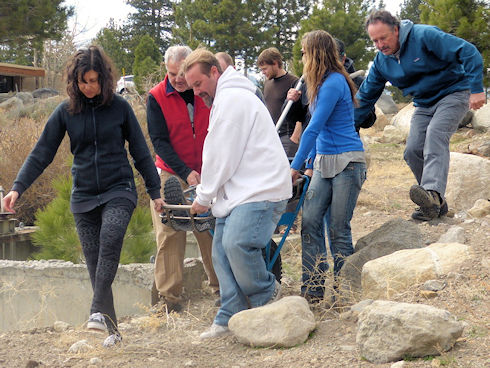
(481, 118)
(45, 93)
(403, 118)
(468, 180)
(26, 97)
(12, 103)
(386, 104)
(382, 119)
(392, 236)
(389, 331)
(393, 134)
(385, 277)
(285, 323)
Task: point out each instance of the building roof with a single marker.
(14, 70)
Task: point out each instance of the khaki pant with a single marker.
(169, 260)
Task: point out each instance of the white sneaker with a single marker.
(215, 331)
(112, 340)
(276, 295)
(96, 322)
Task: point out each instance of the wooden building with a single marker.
(20, 77)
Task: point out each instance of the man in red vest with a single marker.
(177, 123)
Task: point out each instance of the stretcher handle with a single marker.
(288, 106)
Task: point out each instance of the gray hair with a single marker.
(177, 53)
(382, 16)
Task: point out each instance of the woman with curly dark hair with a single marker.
(103, 197)
(332, 147)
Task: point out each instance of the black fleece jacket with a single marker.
(101, 170)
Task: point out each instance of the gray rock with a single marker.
(81, 346)
(481, 208)
(386, 104)
(45, 93)
(468, 180)
(387, 276)
(481, 118)
(285, 323)
(95, 361)
(389, 331)
(403, 119)
(434, 285)
(393, 134)
(60, 326)
(12, 103)
(26, 97)
(392, 236)
(455, 234)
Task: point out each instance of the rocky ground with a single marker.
(172, 340)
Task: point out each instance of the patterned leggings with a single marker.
(101, 232)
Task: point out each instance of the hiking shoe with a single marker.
(428, 200)
(276, 295)
(419, 213)
(96, 322)
(172, 191)
(215, 331)
(163, 307)
(112, 340)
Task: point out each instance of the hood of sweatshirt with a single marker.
(233, 79)
(405, 28)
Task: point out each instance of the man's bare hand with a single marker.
(9, 200)
(293, 94)
(477, 100)
(158, 204)
(295, 175)
(198, 208)
(193, 178)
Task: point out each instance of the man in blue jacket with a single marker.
(444, 74)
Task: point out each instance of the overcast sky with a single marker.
(92, 15)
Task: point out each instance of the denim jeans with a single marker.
(431, 128)
(237, 257)
(338, 197)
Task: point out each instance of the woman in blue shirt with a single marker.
(331, 146)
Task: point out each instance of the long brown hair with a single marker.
(321, 59)
(83, 61)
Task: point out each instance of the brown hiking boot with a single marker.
(429, 202)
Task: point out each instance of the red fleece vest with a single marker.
(186, 143)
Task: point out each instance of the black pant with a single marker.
(101, 232)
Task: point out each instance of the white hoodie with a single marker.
(243, 159)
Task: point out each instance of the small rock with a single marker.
(399, 364)
(481, 208)
(454, 235)
(81, 346)
(435, 363)
(32, 364)
(60, 326)
(434, 285)
(189, 363)
(95, 361)
(429, 294)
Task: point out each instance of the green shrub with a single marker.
(57, 236)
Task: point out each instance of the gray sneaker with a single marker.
(96, 322)
(112, 340)
(215, 331)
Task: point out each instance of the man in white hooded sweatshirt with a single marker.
(245, 180)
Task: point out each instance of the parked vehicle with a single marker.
(125, 84)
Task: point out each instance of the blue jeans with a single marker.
(338, 197)
(237, 257)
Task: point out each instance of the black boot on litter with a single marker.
(172, 191)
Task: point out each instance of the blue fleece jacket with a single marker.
(431, 65)
(331, 128)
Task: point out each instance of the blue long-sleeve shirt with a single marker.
(331, 129)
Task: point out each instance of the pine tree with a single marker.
(154, 18)
(147, 60)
